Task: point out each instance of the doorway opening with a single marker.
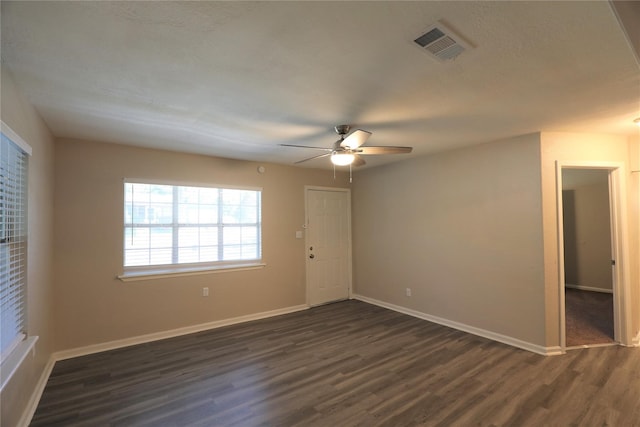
(592, 245)
(588, 275)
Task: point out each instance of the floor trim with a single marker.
(514, 342)
(30, 410)
(588, 288)
(583, 346)
(141, 339)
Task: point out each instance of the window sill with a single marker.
(134, 276)
(15, 359)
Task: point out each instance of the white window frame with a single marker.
(147, 272)
(15, 353)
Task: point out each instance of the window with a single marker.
(13, 243)
(169, 225)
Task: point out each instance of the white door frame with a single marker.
(308, 188)
(619, 247)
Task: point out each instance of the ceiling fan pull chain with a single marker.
(350, 177)
(334, 171)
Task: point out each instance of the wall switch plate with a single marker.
(408, 292)
(205, 292)
(299, 234)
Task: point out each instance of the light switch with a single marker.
(299, 234)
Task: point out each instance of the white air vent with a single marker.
(441, 42)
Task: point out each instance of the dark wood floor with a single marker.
(344, 364)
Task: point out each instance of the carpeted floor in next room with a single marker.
(589, 317)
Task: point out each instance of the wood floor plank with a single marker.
(343, 364)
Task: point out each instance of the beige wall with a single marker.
(18, 113)
(93, 306)
(592, 148)
(587, 230)
(461, 228)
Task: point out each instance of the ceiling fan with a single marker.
(349, 150)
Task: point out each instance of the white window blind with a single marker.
(187, 225)
(13, 244)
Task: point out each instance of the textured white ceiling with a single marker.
(235, 79)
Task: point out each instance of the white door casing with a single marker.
(328, 244)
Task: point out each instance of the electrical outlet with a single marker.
(408, 292)
(205, 292)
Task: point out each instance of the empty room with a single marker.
(311, 213)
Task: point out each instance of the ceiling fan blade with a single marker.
(356, 139)
(311, 158)
(384, 150)
(305, 146)
(358, 161)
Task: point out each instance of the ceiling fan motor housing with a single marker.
(342, 129)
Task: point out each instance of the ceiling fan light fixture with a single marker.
(342, 159)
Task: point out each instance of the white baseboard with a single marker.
(588, 288)
(126, 342)
(27, 415)
(514, 342)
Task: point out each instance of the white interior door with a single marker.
(328, 242)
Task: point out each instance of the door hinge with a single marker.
(613, 262)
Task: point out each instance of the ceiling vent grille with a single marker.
(441, 42)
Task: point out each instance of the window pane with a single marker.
(139, 214)
(208, 214)
(128, 194)
(188, 255)
(133, 257)
(128, 214)
(248, 215)
(188, 195)
(208, 236)
(231, 196)
(231, 253)
(249, 235)
(160, 237)
(160, 256)
(188, 236)
(231, 236)
(140, 192)
(208, 196)
(161, 193)
(249, 198)
(136, 238)
(231, 214)
(188, 214)
(250, 252)
(208, 253)
(160, 213)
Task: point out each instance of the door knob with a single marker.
(312, 256)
